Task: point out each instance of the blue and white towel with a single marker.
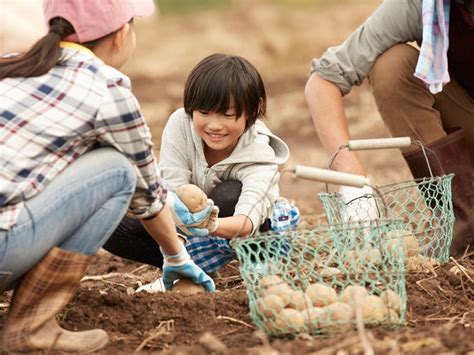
(432, 66)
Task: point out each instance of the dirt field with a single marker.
(280, 40)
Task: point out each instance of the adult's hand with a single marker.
(180, 266)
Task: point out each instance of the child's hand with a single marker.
(180, 266)
(213, 222)
(189, 223)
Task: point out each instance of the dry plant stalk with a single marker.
(163, 328)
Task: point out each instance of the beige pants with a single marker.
(407, 106)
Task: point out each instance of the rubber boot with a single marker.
(44, 291)
(454, 158)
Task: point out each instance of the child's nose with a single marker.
(214, 122)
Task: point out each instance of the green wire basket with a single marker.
(325, 279)
(425, 205)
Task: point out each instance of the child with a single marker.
(60, 196)
(218, 142)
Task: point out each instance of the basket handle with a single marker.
(330, 176)
(379, 143)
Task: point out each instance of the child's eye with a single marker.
(227, 114)
(203, 112)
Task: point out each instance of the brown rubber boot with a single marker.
(42, 292)
(454, 158)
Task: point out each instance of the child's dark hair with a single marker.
(44, 54)
(217, 78)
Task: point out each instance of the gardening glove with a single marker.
(180, 266)
(187, 221)
(213, 222)
(360, 204)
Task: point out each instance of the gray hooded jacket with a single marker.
(254, 162)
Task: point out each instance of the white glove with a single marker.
(360, 204)
(153, 287)
(213, 222)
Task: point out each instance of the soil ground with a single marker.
(280, 40)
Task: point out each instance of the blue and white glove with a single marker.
(181, 266)
(187, 221)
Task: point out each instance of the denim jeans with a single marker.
(76, 212)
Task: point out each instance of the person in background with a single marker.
(426, 94)
(220, 143)
(75, 155)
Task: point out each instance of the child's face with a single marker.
(220, 132)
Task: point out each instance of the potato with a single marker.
(321, 295)
(391, 316)
(270, 305)
(290, 320)
(337, 312)
(370, 256)
(299, 301)
(271, 280)
(391, 300)
(409, 243)
(312, 316)
(373, 309)
(330, 271)
(192, 196)
(187, 286)
(353, 294)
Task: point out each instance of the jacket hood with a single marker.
(257, 145)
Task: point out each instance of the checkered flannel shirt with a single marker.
(47, 122)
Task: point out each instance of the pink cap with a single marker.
(93, 19)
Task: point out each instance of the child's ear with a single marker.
(120, 35)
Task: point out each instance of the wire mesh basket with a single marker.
(326, 278)
(425, 205)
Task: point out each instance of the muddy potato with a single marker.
(321, 295)
(329, 271)
(271, 280)
(312, 316)
(187, 286)
(391, 300)
(299, 300)
(290, 320)
(411, 245)
(373, 309)
(353, 293)
(391, 316)
(337, 312)
(192, 196)
(370, 256)
(270, 305)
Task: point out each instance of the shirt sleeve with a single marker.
(174, 166)
(259, 192)
(120, 124)
(393, 22)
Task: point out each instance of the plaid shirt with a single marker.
(47, 122)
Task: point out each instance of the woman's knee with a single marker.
(393, 70)
(112, 160)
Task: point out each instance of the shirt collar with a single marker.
(76, 46)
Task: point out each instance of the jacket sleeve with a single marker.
(259, 192)
(173, 164)
(120, 124)
(393, 22)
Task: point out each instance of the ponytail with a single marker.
(43, 56)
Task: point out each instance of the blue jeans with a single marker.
(77, 212)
